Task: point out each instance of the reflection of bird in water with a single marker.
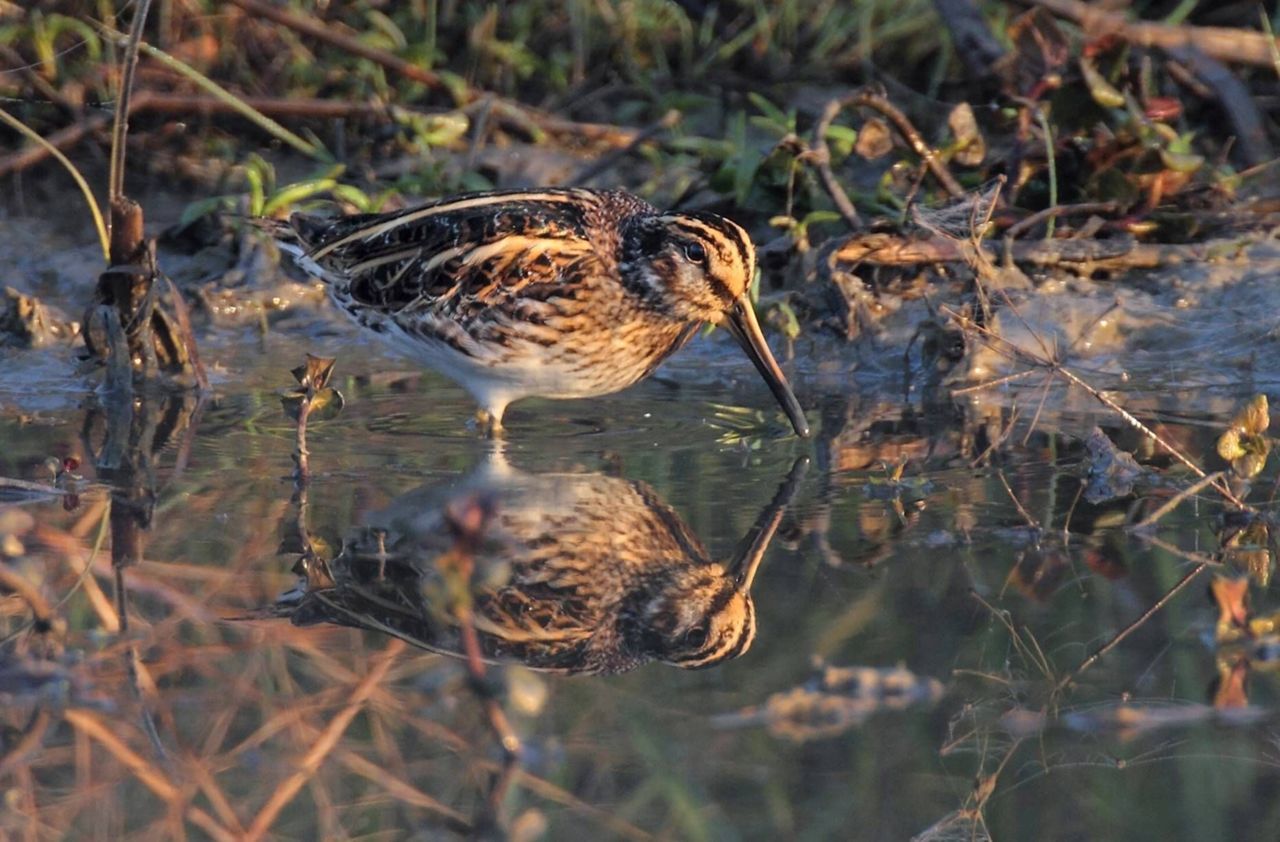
(575, 573)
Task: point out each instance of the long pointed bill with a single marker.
(741, 322)
(750, 551)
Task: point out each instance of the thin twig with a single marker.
(1176, 500)
(909, 133)
(1115, 641)
(1018, 228)
(1233, 46)
(820, 157)
(1128, 417)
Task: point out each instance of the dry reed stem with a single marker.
(326, 742)
(31, 740)
(80, 562)
(208, 784)
(400, 789)
(152, 778)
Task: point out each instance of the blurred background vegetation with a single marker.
(700, 102)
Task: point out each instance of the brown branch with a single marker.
(296, 107)
(71, 135)
(1080, 256)
(322, 32)
(819, 154)
(1024, 225)
(509, 111)
(1231, 46)
(187, 105)
(607, 162)
(820, 158)
(908, 132)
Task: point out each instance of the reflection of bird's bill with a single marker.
(751, 564)
(741, 322)
(757, 540)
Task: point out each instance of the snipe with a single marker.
(555, 293)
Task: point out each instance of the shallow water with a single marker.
(979, 572)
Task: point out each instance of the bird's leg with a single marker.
(489, 419)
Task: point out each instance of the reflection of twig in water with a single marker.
(1029, 648)
(1176, 500)
(971, 817)
(1119, 636)
(1061, 370)
(1026, 515)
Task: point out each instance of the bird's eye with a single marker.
(696, 637)
(696, 252)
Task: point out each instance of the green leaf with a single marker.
(294, 193)
(767, 108)
(819, 216)
(1102, 91)
(841, 140)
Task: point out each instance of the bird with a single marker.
(557, 293)
(575, 573)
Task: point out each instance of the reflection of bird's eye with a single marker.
(696, 636)
(695, 252)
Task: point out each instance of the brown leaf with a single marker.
(1244, 443)
(1039, 55)
(315, 373)
(971, 148)
(875, 140)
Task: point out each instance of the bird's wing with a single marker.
(469, 251)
